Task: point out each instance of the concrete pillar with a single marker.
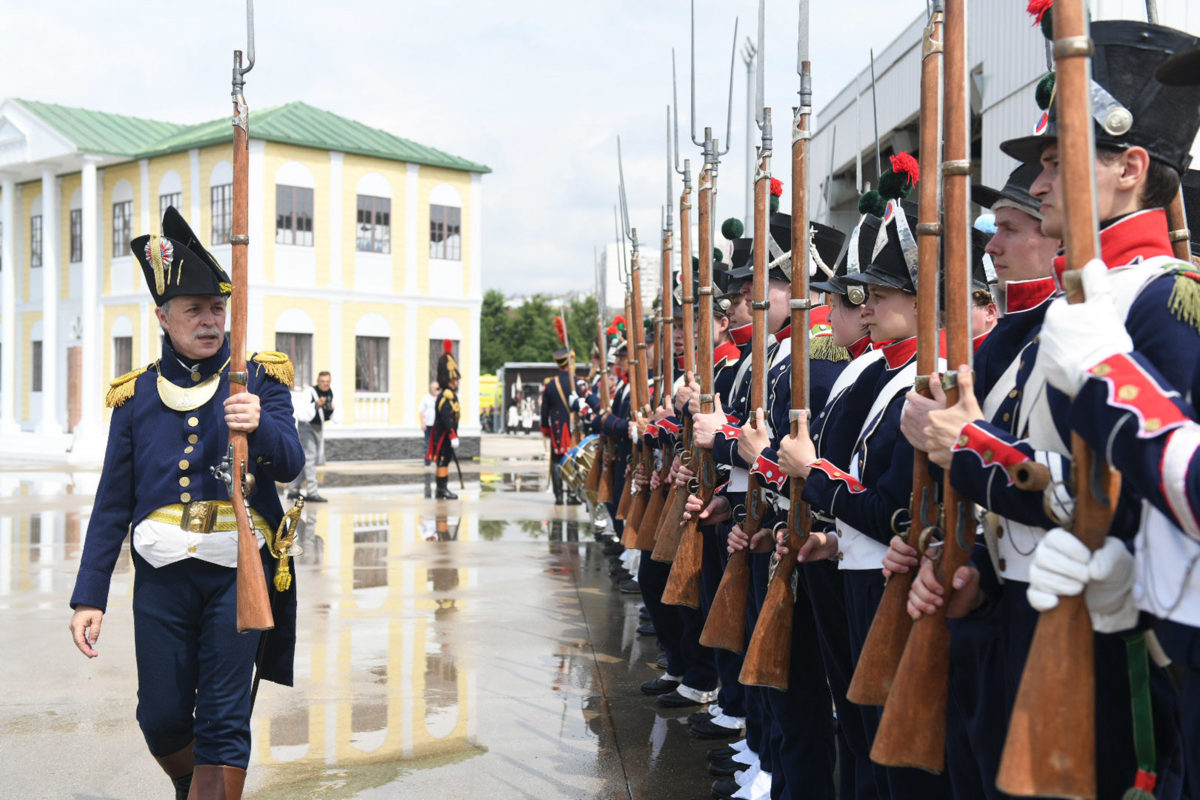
(51, 358)
(92, 338)
(8, 306)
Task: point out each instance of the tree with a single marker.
(581, 324)
(493, 332)
(530, 335)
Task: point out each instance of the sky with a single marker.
(537, 90)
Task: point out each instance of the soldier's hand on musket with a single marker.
(693, 388)
(662, 412)
(754, 438)
(682, 397)
(242, 411)
(797, 452)
(916, 417)
(1075, 337)
(945, 426)
(704, 426)
(760, 542)
(716, 511)
(817, 546)
(683, 474)
(655, 482)
(85, 629)
(927, 594)
(900, 557)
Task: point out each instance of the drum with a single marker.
(577, 462)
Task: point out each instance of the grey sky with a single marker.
(537, 90)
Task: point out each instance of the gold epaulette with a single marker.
(122, 388)
(822, 348)
(1184, 302)
(275, 364)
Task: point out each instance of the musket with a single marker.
(889, 630)
(602, 462)
(651, 520)
(768, 656)
(627, 489)
(912, 731)
(253, 599)
(683, 583)
(1051, 745)
(726, 623)
(666, 538)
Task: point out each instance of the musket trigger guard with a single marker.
(1048, 505)
(898, 524)
(928, 541)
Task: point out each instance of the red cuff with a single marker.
(730, 432)
(668, 426)
(833, 473)
(1131, 388)
(769, 472)
(545, 431)
(990, 450)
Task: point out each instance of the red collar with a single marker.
(1130, 240)
(680, 363)
(899, 353)
(726, 351)
(1024, 295)
(741, 335)
(978, 340)
(861, 346)
(784, 334)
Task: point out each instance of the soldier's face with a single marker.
(1019, 249)
(195, 323)
(846, 321)
(890, 314)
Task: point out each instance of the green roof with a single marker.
(98, 132)
(295, 123)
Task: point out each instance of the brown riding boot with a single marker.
(212, 782)
(178, 766)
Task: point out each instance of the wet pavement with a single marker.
(469, 648)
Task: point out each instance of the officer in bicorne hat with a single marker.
(170, 423)
(558, 400)
(444, 439)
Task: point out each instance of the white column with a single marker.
(414, 349)
(92, 337)
(49, 423)
(334, 363)
(194, 167)
(8, 306)
(412, 199)
(144, 170)
(474, 284)
(337, 223)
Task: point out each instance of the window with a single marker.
(166, 200)
(122, 227)
(445, 233)
(222, 213)
(76, 235)
(293, 215)
(374, 224)
(35, 240)
(35, 364)
(122, 355)
(371, 363)
(298, 347)
(436, 348)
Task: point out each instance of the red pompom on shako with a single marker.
(905, 164)
(1038, 8)
(560, 329)
(776, 187)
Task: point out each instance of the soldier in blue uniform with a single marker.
(170, 423)
(558, 397)
(443, 442)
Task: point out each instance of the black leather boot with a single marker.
(443, 493)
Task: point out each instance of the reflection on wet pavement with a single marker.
(446, 650)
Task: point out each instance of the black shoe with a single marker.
(711, 730)
(558, 500)
(698, 716)
(619, 569)
(720, 753)
(630, 586)
(674, 699)
(643, 614)
(292, 494)
(659, 686)
(315, 498)
(724, 789)
(613, 549)
(646, 630)
(574, 501)
(724, 768)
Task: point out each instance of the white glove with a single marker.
(1063, 567)
(633, 431)
(1059, 569)
(1077, 337)
(1110, 591)
(454, 443)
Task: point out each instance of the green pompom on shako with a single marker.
(732, 228)
(1045, 91)
(872, 202)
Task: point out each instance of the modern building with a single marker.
(365, 254)
(1006, 57)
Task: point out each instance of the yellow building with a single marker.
(365, 254)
